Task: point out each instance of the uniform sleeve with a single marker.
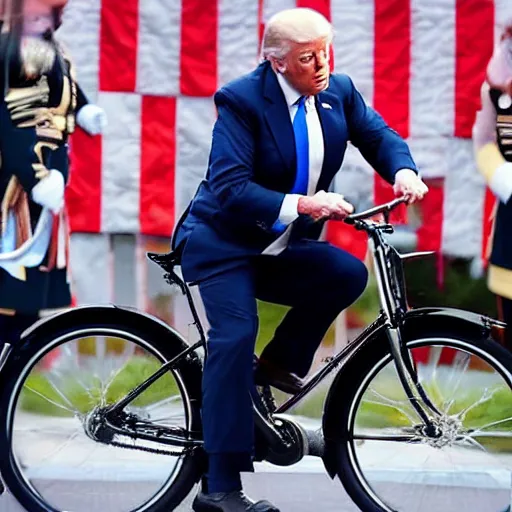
(21, 151)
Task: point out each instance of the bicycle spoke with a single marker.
(463, 455)
(462, 415)
(58, 432)
(492, 424)
(409, 438)
(387, 402)
(38, 393)
(462, 363)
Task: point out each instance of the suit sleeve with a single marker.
(21, 151)
(381, 146)
(230, 173)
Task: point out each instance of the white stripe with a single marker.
(194, 122)
(80, 34)
(432, 85)
(121, 163)
(92, 273)
(271, 7)
(431, 155)
(237, 51)
(502, 14)
(353, 24)
(141, 300)
(464, 195)
(158, 59)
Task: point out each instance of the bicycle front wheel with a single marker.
(56, 453)
(389, 463)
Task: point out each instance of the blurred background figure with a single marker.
(37, 113)
(492, 137)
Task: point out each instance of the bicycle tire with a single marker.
(169, 346)
(351, 381)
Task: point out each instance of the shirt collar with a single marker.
(290, 94)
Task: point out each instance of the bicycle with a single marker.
(121, 391)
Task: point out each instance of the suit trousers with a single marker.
(317, 280)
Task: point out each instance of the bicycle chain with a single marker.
(185, 451)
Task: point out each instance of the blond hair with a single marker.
(299, 25)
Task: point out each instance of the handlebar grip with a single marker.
(350, 219)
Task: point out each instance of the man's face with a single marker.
(307, 66)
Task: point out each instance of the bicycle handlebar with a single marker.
(386, 207)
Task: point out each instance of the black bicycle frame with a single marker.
(392, 294)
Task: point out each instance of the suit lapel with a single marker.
(327, 105)
(278, 119)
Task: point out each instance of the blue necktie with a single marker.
(300, 130)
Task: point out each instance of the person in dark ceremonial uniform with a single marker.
(492, 138)
(40, 104)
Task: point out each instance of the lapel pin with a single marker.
(327, 106)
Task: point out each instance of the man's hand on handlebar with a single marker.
(324, 205)
(409, 185)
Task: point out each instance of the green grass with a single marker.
(40, 396)
(370, 415)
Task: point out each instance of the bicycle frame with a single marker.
(392, 294)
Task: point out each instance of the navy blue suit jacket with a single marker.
(252, 166)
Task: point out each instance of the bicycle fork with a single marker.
(409, 379)
(401, 355)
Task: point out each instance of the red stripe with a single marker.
(198, 63)
(323, 7)
(83, 194)
(261, 24)
(392, 62)
(430, 232)
(383, 193)
(157, 165)
(347, 238)
(488, 222)
(118, 45)
(474, 46)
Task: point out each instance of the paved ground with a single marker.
(292, 492)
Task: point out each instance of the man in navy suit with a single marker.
(252, 229)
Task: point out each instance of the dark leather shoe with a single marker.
(267, 373)
(235, 501)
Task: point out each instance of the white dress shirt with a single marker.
(288, 212)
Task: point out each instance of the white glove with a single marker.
(409, 185)
(501, 182)
(92, 119)
(49, 192)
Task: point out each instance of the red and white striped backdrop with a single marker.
(154, 65)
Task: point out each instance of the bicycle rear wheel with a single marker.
(52, 390)
(386, 460)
